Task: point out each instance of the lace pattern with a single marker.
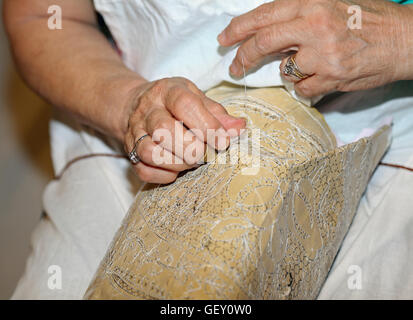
(217, 233)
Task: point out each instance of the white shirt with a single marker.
(165, 38)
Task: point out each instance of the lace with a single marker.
(219, 234)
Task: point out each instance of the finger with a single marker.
(306, 63)
(314, 86)
(189, 108)
(170, 134)
(266, 41)
(267, 14)
(155, 155)
(154, 175)
(129, 141)
(231, 124)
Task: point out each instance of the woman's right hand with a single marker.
(179, 121)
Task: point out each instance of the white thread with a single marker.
(245, 81)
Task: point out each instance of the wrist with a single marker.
(121, 96)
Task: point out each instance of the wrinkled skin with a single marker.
(336, 57)
(93, 85)
(175, 105)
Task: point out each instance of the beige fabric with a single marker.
(220, 232)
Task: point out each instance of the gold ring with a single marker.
(291, 69)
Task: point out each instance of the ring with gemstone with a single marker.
(291, 69)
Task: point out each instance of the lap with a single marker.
(377, 243)
(88, 204)
(84, 209)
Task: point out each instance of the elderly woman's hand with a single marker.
(333, 55)
(169, 122)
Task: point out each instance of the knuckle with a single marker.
(282, 66)
(338, 72)
(175, 91)
(234, 27)
(321, 19)
(128, 144)
(144, 173)
(172, 176)
(144, 102)
(186, 101)
(150, 119)
(180, 82)
(214, 126)
(216, 108)
(170, 179)
(304, 89)
(131, 122)
(134, 124)
(180, 79)
(189, 84)
(264, 13)
(263, 40)
(331, 48)
(163, 124)
(335, 69)
(141, 106)
(242, 57)
(158, 87)
(146, 154)
(342, 87)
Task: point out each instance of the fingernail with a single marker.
(221, 37)
(226, 117)
(231, 120)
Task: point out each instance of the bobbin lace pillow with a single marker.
(224, 232)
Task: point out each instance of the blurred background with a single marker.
(25, 167)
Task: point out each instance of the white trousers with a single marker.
(85, 208)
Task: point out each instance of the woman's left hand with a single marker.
(335, 55)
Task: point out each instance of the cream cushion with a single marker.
(232, 231)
